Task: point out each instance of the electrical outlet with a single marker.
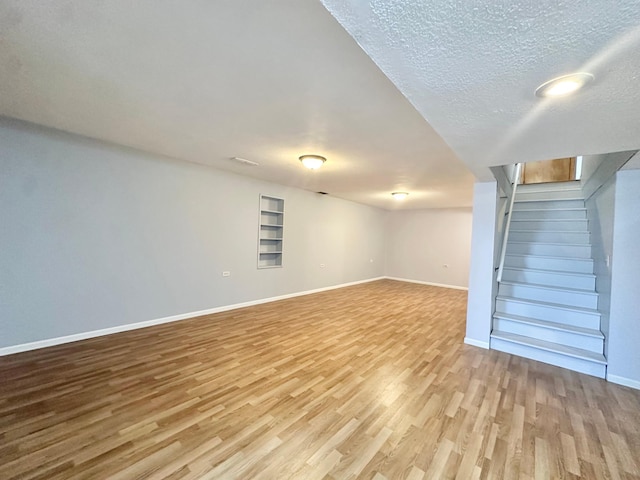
(322, 265)
(226, 274)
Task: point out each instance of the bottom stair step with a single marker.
(572, 358)
(553, 332)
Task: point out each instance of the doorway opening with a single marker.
(549, 171)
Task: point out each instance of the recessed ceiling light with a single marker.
(565, 85)
(312, 162)
(399, 195)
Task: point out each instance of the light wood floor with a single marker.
(371, 381)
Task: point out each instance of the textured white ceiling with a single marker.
(204, 81)
(471, 68)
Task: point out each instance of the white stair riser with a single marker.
(549, 214)
(552, 314)
(548, 263)
(579, 365)
(548, 204)
(522, 194)
(528, 292)
(564, 225)
(584, 282)
(549, 237)
(565, 251)
(571, 339)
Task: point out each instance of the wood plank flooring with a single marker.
(370, 381)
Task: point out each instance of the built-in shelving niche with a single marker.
(270, 237)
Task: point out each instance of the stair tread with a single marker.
(550, 287)
(551, 224)
(549, 256)
(548, 219)
(564, 244)
(575, 189)
(544, 191)
(559, 306)
(550, 346)
(555, 272)
(591, 332)
(548, 244)
(572, 209)
(529, 200)
(545, 231)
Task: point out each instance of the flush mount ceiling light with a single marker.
(312, 162)
(399, 195)
(565, 85)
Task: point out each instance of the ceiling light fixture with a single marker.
(565, 85)
(399, 195)
(312, 162)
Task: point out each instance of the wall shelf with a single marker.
(270, 232)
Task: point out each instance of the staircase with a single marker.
(546, 308)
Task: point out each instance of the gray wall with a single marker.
(611, 222)
(624, 317)
(481, 298)
(590, 164)
(597, 169)
(94, 236)
(421, 242)
(600, 211)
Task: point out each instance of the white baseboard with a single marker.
(50, 342)
(443, 285)
(627, 382)
(476, 343)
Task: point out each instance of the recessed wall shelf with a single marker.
(270, 232)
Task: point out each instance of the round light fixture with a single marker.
(399, 195)
(312, 162)
(565, 85)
